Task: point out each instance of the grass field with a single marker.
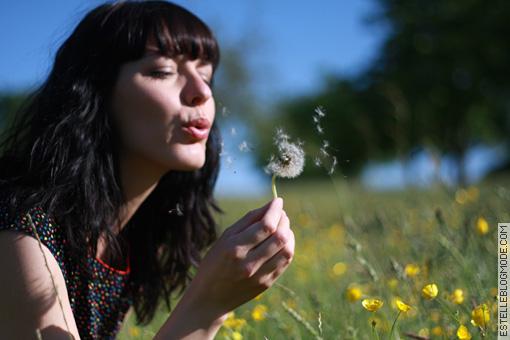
(353, 244)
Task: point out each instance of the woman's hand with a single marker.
(246, 260)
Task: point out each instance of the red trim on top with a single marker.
(123, 272)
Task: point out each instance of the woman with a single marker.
(107, 180)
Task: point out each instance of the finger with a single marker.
(276, 265)
(252, 217)
(263, 228)
(271, 245)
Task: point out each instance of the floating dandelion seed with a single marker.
(244, 147)
(233, 131)
(177, 210)
(319, 111)
(289, 161)
(224, 111)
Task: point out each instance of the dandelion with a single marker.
(430, 291)
(289, 161)
(259, 312)
(353, 294)
(457, 296)
(372, 305)
(463, 333)
(480, 315)
(482, 227)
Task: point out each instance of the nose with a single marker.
(196, 91)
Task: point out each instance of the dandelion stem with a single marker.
(393, 326)
(273, 186)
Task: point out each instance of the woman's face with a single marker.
(157, 102)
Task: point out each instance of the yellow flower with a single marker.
(457, 296)
(412, 270)
(430, 291)
(393, 283)
(234, 323)
(461, 196)
(482, 227)
(372, 304)
(339, 268)
(134, 331)
(473, 193)
(424, 332)
(353, 294)
(480, 315)
(402, 306)
(437, 331)
(463, 333)
(237, 336)
(259, 312)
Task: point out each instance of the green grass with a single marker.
(374, 235)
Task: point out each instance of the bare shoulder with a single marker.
(27, 292)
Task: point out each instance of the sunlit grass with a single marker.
(353, 244)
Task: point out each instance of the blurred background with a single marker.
(414, 93)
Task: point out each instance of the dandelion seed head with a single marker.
(317, 161)
(290, 159)
(280, 136)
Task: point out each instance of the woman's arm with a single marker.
(27, 295)
(191, 320)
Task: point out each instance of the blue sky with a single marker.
(299, 40)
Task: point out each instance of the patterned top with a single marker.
(100, 301)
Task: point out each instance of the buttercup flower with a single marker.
(412, 270)
(430, 291)
(353, 294)
(457, 296)
(482, 226)
(463, 333)
(259, 312)
(402, 306)
(372, 304)
(480, 315)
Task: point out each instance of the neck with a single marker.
(139, 178)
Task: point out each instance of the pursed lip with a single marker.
(197, 128)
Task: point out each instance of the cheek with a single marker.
(145, 114)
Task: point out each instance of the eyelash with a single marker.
(163, 75)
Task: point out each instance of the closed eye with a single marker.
(161, 74)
